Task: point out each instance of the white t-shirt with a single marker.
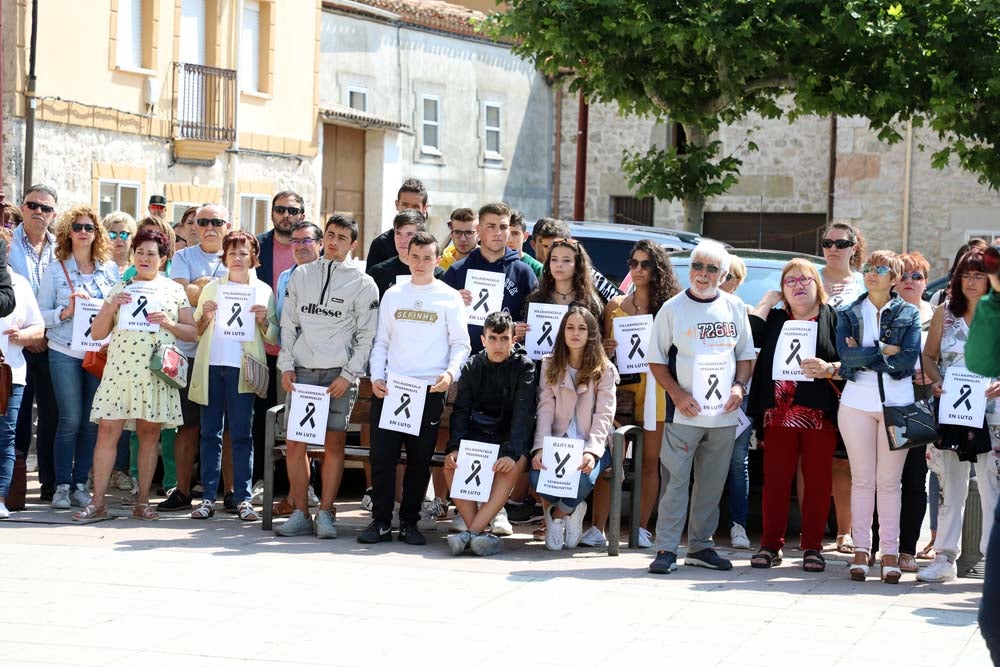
(688, 330)
(862, 393)
(190, 264)
(25, 314)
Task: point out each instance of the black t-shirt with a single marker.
(381, 249)
(385, 274)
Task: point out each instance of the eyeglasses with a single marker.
(701, 266)
(307, 241)
(465, 234)
(215, 222)
(879, 270)
(35, 206)
(290, 210)
(646, 264)
(730, 276)
(914, 276)
(80, 227)
(122, 235)
(974, 276)
(842, 244)
(804, 281)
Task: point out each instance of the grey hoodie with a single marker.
(329, 318)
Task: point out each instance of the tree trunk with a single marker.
(694, 203)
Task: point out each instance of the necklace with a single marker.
(564, 295)
(635, 304)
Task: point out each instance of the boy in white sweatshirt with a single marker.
(423, 334)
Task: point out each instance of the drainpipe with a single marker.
(557, 157)
(232, 169)
(29, 125)
(831, 169)
(2, 195)
(580, 195)
(906, 186)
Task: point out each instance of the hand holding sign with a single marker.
(486, 288)
(560, 464)
(474, 470)
(543, 326)
(134, 315)
(83, 320)
(963, 399)
(308, 412)
(633, 335)
(797, 341)
(234, 320)
(403, 406)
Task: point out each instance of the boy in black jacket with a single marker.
(496, 404)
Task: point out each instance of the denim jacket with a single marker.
(900, 325)
(54, 291)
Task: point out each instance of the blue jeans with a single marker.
(8, 426)
(74, 390)
(226, 405)
(989, 606)
(586, 485)
(738, 482)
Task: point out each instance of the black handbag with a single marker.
(917, 420)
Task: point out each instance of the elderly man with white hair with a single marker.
(701, 353)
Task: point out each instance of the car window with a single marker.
(609, 256)
(759, 280)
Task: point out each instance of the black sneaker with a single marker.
(664, 563)
(175, 502)
(229, 503)
(46, 494)
(376, 532)
(523, 513)
(410, 535)
(708, 558)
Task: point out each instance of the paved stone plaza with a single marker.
(185, 593)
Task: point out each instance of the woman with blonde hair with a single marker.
(121, 228)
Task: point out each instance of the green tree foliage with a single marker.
(704, 64)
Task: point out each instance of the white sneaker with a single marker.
(60, 499)
(298, 524)
(430, 512)
(574, 525)
(645, 538)
(457, 525)
(325, 530)
(594, 538)
(738, 536)
(257, 494)
(79, 497)
(313, 500)
(4, 512)
(500, 525)
(555, 535)
(366, 500)
(121, 481)
(941, 569)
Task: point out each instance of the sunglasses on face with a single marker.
(841, 244)
(80, 227)
(306, 241)
(914, 276)
(701, 266)
(879, 270)
(122, 235)
(215, 222)
(35, 206)
(805, 281)
(645, 264)
(290, 210)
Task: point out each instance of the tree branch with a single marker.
(655, 98)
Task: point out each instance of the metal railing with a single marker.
(204, 103)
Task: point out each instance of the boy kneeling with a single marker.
(495, 404)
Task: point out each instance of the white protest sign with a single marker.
(742, 422)
(632, 334)
(797, 341)
(543, 327)
(474, 474)
(132, 315)
(83, 317)
(964, 399)
(403, 407)
(487, 293)
(560, 459)
(233, 319)
(308, 412)
(712, 379)
(402, 280)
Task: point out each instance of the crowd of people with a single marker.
(193, 332)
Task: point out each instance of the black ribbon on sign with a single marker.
(546, 333)
(310, 411)
(477, 467)
(237, 311)
(90, 325)
(561, 465)
(964, 396)
(483, 295)
(141, 303)
(796, 347)
(636, 339)
(713, 387)
(404, 405)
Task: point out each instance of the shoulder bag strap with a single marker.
(66, 273)
(881, 388)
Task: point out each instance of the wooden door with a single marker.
(344, 177)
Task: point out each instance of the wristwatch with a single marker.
(743, 385)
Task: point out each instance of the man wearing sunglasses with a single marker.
(701, 353)
(194, 267)
(32, 249)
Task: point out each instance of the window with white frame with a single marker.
(129, 35)
(430, 125)
(119, 196)
(254, 211)
(492, 133)
(987, 235)
(357, 98)
(250, 47)
(178, 211)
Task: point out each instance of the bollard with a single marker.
(972, 531)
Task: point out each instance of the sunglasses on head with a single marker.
(914, 276)
(215, 222)
(572, 244)
(646, 264)
(35, 206)
(80, 227)
(882, 270)
(701, 266)
(290, 210)
(841, 244)
(121, 235)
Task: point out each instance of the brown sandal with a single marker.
(144, 512)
